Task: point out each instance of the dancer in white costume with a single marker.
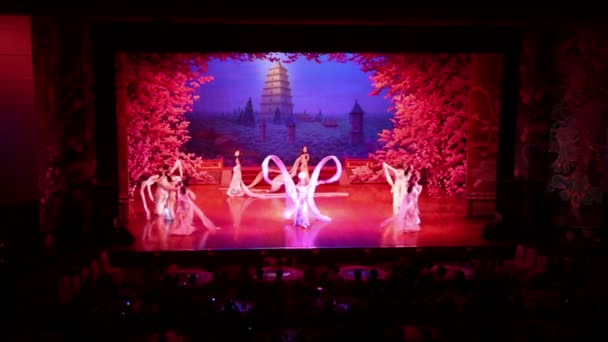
(186, 209)
(169, 210)
(414, 190)
(407, 218)
(237, 187)
(300, 201)
(398, 184)
(300, 165)
(146, 186)
(164, 185)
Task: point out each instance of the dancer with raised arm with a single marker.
(186, 209)
(166, 186)
(237, 187)
(178, 166)
(300, 201)
(407, 218)
(398, 184)
(300, 165)
(163, 188)
(158, 197)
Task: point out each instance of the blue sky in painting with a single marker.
(328, 86)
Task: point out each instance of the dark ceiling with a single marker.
(453, 14)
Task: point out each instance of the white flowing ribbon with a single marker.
(290, 186)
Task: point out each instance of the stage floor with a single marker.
(251, 223)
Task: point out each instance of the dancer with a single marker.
(300, 164)
(304, 158)
(300, 198)
(186, 209)
(169, 211)
(407, 218)
(164, 184)
(237, 187)
(161, 195)
(301, 201)
(146, 186)
(398, 185)
(414, 190)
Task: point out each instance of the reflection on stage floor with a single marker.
(252, 223)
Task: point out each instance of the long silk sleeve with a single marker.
(142, 194)
(314, 182)
(387, 169)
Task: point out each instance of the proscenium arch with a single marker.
(110, 38)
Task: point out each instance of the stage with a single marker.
(253, 223)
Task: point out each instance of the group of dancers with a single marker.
(300, 202)
(174, 202)
(299, 197)
(238, 188)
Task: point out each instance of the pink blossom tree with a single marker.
(430, 93)
(161, 90)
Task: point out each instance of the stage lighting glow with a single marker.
(224, 117)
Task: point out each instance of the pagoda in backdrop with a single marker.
(356, 125)
(276, 95)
